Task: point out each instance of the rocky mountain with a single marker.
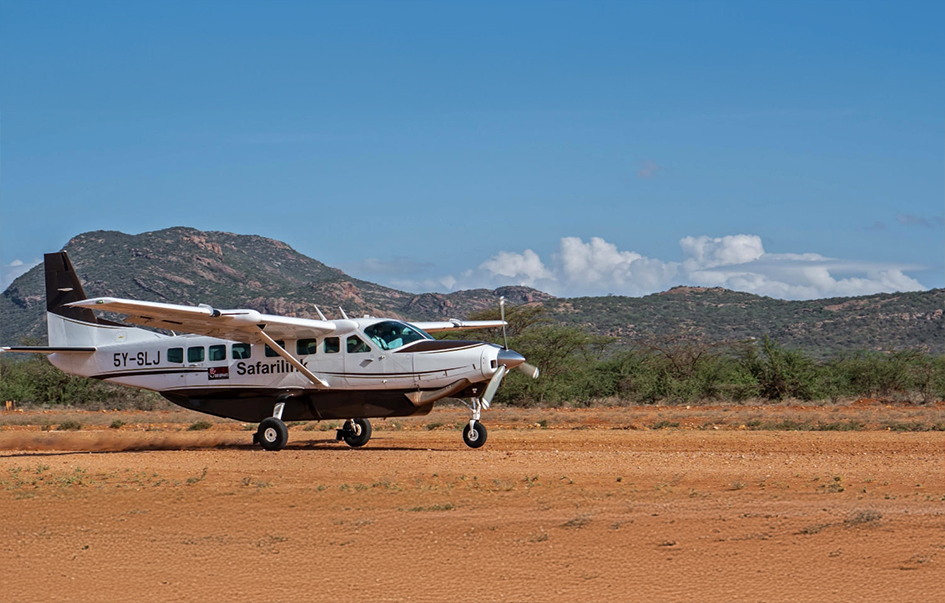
(184, 265)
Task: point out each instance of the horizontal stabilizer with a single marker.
(41, 349)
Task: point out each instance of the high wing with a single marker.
(247, 326)
(459, 325)
(237, 325)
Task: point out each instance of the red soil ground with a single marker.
(585, 510)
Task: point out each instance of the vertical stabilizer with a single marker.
(78, 326)
(63, 287)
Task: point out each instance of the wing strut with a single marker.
(278, 349)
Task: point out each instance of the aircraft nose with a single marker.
(509, 358)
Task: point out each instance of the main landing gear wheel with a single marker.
(356, 432)
(272, 434)
(475, 434)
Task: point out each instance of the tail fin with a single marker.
(70, 326)
(63, 287)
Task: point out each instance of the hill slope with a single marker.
(184, 265)
(886, 321)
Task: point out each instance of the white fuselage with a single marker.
(346, 361)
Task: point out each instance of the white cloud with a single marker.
(600, 266)
(10, 272)
(705, 252)
(737, 262)
(524, 268)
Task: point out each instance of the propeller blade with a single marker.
(529, 369)
(493, 386)
(502, 312)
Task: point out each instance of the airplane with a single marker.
(245, 365)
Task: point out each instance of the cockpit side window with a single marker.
(356, 346)
(391, 334)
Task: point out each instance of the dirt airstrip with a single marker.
(558, 506)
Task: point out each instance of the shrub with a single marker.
(781, 373)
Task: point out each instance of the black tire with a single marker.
(272, 434)
(475, 437)
(361, 434)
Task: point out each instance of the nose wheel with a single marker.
(474, 434)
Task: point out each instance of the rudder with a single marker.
(72, 326)
(63, 287)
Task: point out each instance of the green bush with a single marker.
(782, 373)
(33, 381)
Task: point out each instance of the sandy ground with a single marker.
(588, 510)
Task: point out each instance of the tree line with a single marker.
(579, 368)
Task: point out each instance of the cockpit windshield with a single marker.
(391, 334)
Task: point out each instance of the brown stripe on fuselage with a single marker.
(438, 346)
(146, 372)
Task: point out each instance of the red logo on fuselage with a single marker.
(218, 372)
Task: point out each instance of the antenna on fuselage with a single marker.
(343, 312)
(502, 313)
(320, 315)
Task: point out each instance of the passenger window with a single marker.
(241, 351)
(332, 345)
(175, 355)
(304, 347)
(195, 354)
(271, 353)
(217, 353)
(356, 346)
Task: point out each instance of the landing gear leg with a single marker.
(355, 433)
(272, 433)
(474, 434)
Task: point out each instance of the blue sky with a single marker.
(788, 149)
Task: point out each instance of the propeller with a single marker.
(493, 386)
(506, 360)
(502, 313)
(529, 369)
